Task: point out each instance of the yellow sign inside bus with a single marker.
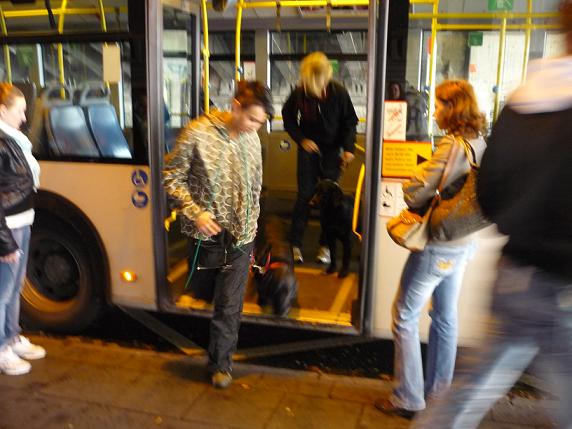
(399, 158)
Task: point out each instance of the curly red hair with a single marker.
(463, 116)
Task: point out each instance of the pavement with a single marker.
(85, 384)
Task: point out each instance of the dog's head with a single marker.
(328, 194)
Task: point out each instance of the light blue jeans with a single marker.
(532, 314)
(436, 273)
(11, 282)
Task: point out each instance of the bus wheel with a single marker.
(61, 289)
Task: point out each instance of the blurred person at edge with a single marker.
(19, 179)
(435, 273)
(524, 186)
(214, 174)
(321, 119)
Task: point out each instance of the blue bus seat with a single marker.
(68, 133)
(102, 121)
(51, 95)
(104, 126)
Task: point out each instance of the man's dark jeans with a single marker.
(311, 168)
(229, 283)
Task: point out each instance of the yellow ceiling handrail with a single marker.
(28, 13)
(304, 3)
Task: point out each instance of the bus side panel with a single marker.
(475, 292)
(117, 200)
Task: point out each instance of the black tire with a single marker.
(62, 291)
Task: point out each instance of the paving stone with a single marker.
(357, 392)
(93, 383)
(48, 412)
(162, 394)
(298, 411)
(237, 406)
(371, 418)
(521, 410)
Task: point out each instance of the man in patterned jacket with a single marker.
(214, 174)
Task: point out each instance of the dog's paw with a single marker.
(344, 272)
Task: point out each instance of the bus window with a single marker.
(85, 117)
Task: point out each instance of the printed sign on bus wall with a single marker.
(395, 120)
(400, 158)
(392, 201)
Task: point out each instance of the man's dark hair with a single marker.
(253, 93)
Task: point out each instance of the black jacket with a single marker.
(330, 123)
(16, 188)
(525, 187)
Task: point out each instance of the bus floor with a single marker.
(321, 298)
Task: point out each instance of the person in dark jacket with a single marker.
(19, 177)
(524, 186)
(321, 119)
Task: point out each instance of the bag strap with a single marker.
(470, 152)
(448, 167)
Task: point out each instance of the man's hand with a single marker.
(207, 225)
(310, 146)
(347, 158)
(11, 257)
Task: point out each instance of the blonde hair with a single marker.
(315, 74)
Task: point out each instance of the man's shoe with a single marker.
(26, 350)
(11, 364)
(323, 256)
(386, 407)
(221, 379)
(297, 254)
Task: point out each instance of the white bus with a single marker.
(108, 88)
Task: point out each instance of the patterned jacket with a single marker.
(209, 171)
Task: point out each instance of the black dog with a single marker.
(274, 275)
(336, 213)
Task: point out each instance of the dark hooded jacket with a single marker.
(329, 122)
(525, 178)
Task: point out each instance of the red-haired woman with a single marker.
(436, 273)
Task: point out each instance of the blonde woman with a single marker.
(321, 119)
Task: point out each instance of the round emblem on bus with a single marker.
(139, 199)
(139, 178)
(285, 145)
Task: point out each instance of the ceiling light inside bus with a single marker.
(128, 276)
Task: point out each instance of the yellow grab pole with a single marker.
(206, 55)
(527, 41)
(102, 16)
(357, 198)
(61, 49)
(487, 16)
(6, 48)
(239, 6)
(304, 3)
(500, 69)
(432, 66)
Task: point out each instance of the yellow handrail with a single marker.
(239, 7)
(6, 48)
(61, 49)
(206, 55)
(500, 69)
(355, 218)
